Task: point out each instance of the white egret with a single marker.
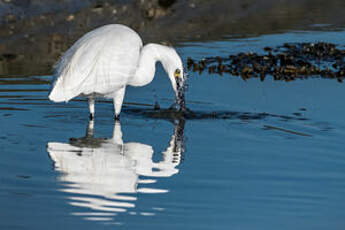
(105, 60)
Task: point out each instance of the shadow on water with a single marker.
(102, 175)
(172, 114)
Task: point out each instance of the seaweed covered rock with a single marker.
(287, 62)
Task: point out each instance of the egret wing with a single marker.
(102, 61)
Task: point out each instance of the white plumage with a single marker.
(105, 60)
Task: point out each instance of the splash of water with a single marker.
(181, 90)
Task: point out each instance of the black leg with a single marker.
(156, 106)
(91, 117)
(117, 117)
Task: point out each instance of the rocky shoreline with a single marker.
(34, 33)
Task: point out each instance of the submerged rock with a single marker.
(285, 63)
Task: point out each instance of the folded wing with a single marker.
(101, 62)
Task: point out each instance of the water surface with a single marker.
(276, 161)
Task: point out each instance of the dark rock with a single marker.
(166, 3)
(9, 56)
(289, 62)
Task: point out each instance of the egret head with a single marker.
(173, 66)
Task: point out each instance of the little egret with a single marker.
(107, 59)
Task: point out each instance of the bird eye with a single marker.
(177, 73)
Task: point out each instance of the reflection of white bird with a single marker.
(105, 60)
(110, 169)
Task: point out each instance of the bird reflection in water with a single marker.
(103, 175)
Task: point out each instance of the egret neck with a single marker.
(150, 54)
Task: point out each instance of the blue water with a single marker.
(284, 170)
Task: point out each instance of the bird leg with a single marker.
(117, 117)
(118, 100)
(92, 108)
